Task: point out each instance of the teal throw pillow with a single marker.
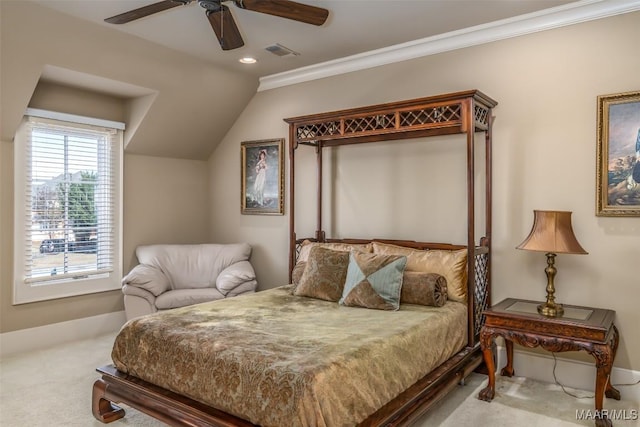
(373, 281)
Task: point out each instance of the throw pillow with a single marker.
(296, 273)
(346, 247)
(423, 289)
(324, 274)
(450, 264)
(373, 281)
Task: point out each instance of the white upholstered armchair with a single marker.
(171, 276)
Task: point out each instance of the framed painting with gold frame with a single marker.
(618, 155)
(262, 169)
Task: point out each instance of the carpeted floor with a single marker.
(53, 388)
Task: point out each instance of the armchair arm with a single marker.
(148, 278)
(235, 275)
(139, 292)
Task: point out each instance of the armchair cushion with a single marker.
(182, 297)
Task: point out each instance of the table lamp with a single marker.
(551, 233)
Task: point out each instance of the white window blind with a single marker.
(70, 191)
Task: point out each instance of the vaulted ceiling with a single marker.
(181, 93)
(353, 27)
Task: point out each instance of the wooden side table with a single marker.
(580, 328)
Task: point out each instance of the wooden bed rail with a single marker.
(177, 410)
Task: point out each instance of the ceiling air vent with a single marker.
(279, 50)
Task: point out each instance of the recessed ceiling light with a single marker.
(248, 60)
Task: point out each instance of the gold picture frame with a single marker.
(618, 155)
(262, 169)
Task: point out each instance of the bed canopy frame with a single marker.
(468, 113)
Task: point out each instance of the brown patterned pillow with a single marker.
(324, 275)
(423, 289)
(373, 281)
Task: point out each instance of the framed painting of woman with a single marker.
(262, 169)
(618, 155)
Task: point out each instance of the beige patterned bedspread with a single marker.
(281, 360)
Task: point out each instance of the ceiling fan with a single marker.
(221, 19)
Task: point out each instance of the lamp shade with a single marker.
(552, 232)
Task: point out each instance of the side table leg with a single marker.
(486, 341)
(507, 371)
(610, 391)
(602, 378)
(604, 360)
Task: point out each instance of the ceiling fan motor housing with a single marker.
(210, 5)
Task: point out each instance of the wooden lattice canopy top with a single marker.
(435, 115)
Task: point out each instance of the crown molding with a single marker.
(548, 19)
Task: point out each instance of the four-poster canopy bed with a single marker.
(136, 379)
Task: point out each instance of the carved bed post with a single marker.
(293, 144)
(469, 128)
(319, 233)
(488, 208)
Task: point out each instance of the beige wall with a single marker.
(165, 201)
(165, 198)
(544, 158)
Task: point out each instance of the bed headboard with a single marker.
(478, 289)
(466, 113)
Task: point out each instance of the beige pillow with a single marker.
(450, 264)
(345, 247)
(423, 289)
(296, 273)
(324, 275)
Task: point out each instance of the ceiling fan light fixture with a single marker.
(248, 60)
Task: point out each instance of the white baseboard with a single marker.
(570, 373)
(42, 337)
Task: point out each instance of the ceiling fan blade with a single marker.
(286, 9)
(141, 12)
(225, 28)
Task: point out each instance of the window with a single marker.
(68, 206)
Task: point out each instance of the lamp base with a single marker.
(551, 309)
